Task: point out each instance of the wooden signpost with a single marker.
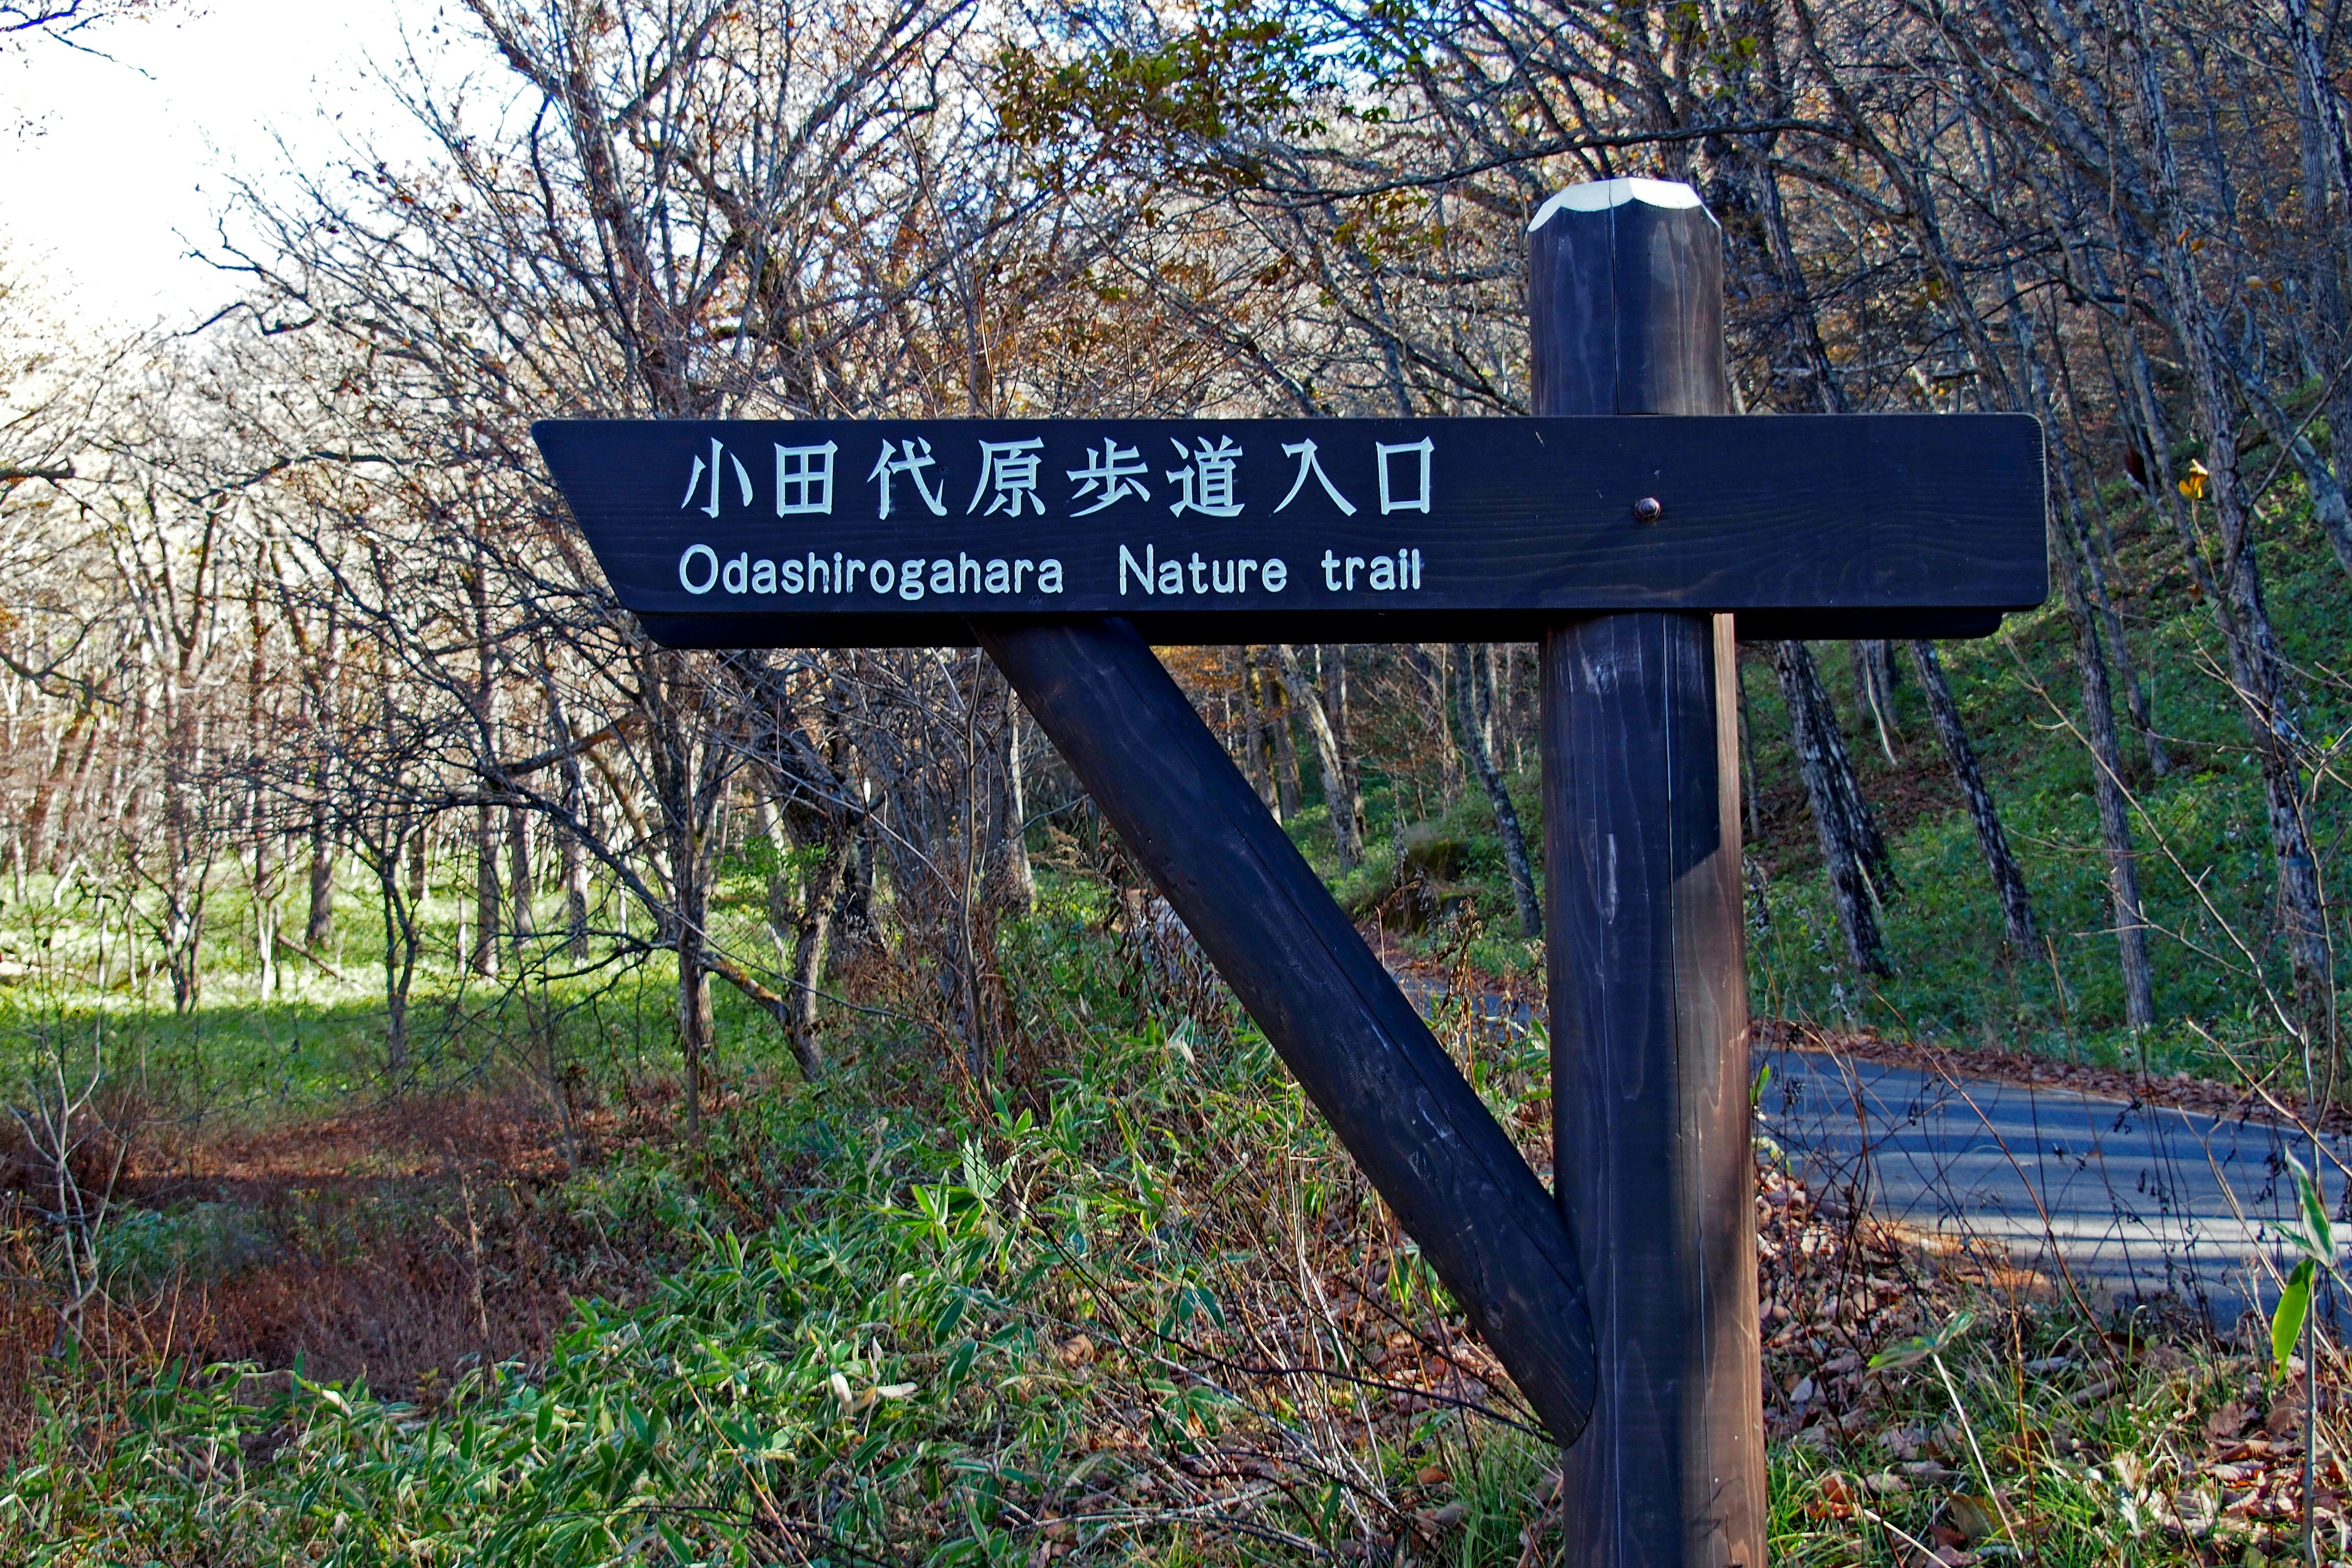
(1634, 550)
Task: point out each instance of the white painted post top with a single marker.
(1599, 196)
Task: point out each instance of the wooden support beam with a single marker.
(1645, 960)
(1357, 1045)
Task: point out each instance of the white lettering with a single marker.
(711, 579)
(1305, 452)
(1142, 570)
(1418, 502)
(804, 480)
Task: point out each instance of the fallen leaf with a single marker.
(1445, 1517)
(1433, 1476)
(1833, 1497)
(1977, 1518)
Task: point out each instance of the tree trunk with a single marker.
(1747, 751)
(1331, 670)
(2100, 559)
(575, 897)
(1434, 685)
(693, 1020)
(825, 888)
(2136, 698)
(1020, 877)
(574, 851)
(2258, 667)
(2107, 788)
(483, 960)
(521, 928)
(399, 957)
(2007, 881)
(1285, 744)
(1336, 800)
(486, 850)
(1477, 705)
(1254, 762)
(1874, 683)
(1854, 855)
(186, 851)
(265, 912)
(321, 928)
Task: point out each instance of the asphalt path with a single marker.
(2128, 1202)
(2123, 1203)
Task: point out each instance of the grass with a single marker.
(1141, 1309)
(963, 1324)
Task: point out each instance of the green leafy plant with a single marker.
(2314, 1236)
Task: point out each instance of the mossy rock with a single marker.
(1424, 884)
(1432, 855)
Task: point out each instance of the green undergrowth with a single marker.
(1141, 1312)
(2205, 861)
(969, 1331)
(2200, 830)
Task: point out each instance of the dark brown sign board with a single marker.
(898, 533)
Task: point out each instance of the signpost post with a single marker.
(1644, 959)
(1634, 550)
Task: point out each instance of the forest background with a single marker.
(345, 811)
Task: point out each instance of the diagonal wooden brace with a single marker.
(1356, 1044)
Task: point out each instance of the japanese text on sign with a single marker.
(1106, 479)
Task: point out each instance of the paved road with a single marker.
(2131, 1201)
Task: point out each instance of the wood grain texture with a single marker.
(1645, 959)
(1892, 514)
(1172, 629)
(1357, 1045)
